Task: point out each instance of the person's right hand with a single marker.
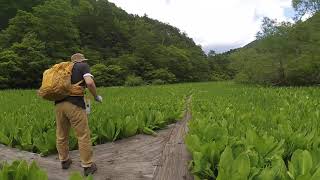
(98, 98)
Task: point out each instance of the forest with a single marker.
(122, 48)
(284, 53)
(126, 49)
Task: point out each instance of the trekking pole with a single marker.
(87, 102)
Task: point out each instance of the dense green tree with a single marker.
(133, 80)
(268, 28)
(161, 74)
(41, 33)
(112, 75)
(94, 56)
(219, 65)
(133, 64)
(175, 59)
(56, 28)
(275, 42)
(254, 67)
(8, 67)
(32, 60)
(284, 54)
(22, 64)
(9, 8)
(98, 70)
(22, 24)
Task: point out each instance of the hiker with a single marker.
(71, 112)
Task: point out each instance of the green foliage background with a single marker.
(284, 54)
(38, 33)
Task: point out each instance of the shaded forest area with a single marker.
(122, 48)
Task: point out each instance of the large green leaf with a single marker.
(193, 143)
(108, 130)
(4, 172)
(148, 131)
(241, 167)
(22, 171)
(225, 164)
(301, 163)
(201, 166)
(4, 139)
(279, 167)
(13, 169)
(130, 127)
(26, 139)
(33, 171)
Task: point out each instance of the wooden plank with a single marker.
(175, 157)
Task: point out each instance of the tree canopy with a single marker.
(283, 54)
(127, 49)
(39, 33)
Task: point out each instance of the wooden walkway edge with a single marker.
(175, 157)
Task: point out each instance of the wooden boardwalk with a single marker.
(140, 157)
(175, 157)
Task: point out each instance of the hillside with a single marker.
(284, 54)
(121, 47)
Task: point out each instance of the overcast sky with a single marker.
(219, 25)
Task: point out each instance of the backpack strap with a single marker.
(76, 89)
(78, 83)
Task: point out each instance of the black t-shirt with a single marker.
(79, 69)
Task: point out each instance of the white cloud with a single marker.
(306, 16)
(211, 22)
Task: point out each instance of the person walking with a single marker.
(70, 112)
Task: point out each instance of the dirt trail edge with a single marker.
(140, 157)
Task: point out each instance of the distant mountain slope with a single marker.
(284, 55)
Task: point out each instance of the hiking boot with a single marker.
(90, 170)
(66, 164)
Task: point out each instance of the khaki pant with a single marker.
(68, 114)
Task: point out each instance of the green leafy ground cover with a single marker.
(28, 123)
(236, 132)
(243, 132)
(21, 170)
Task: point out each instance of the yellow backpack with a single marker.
(56, 83)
